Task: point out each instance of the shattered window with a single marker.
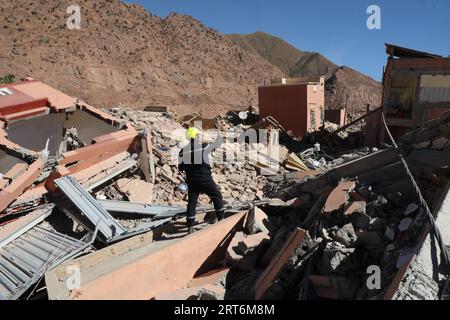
(434, 89)
(401, 96)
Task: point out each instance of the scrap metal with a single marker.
(25, 260)
(93, 211)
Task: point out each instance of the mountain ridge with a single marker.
(345, 87)
(125, 56)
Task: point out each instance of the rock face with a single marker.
(344, 86)
(348, 87)
(124, 55)
(289, 59)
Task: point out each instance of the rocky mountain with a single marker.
(352, 89)
(289, 59)
(124, 55)
(345, 86)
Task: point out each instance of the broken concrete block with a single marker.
(137, 191)
(346, 235)
(235, 194)
(440, 143)
(339, 197)
(210, 292)
(251, 242)
(404, 224)
(356, 212)
(257, 221)
(389, 234)
(380, 201)
(219, 178)
(411, 209)
(421, 145)
(207, 292)
(326, 235)
(336, 258)
(236, 178)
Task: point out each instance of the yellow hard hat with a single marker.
(192, 133)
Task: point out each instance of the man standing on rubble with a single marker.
(194, 161)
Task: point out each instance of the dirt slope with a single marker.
(124, 55)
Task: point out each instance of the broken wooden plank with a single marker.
(293, 162)
(146, 158)
(277, 264)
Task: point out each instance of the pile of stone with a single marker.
(327, 244)
(239, 182)
(428, 155)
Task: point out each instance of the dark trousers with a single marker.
(209, 188)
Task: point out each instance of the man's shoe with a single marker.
(191, 230)
(210, 218)
(211, 221)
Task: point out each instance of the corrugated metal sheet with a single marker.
(90, 208)
(93, 211)
(142, 209)
(25, 260)
(435, 94)
(22, 225)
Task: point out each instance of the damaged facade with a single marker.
(416, 88)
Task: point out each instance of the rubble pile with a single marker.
(343, 235)
(124, 184)
(428, 153)
(168, 138)
(304, 223)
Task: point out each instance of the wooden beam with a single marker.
(277, 264)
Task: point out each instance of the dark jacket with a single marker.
(193, 159)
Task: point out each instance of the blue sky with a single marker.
(336, 29)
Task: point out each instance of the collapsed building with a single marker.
(95, 195)
(416, 88)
